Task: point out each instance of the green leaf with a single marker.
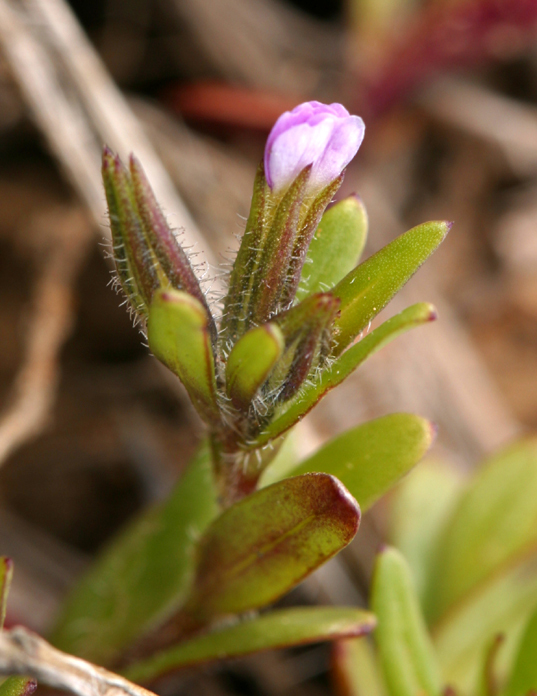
(178, 331)
(143, 575)
(524, 675)
(369, 459)
(6, 574)
(277, 629)
(406, 652)
(309, 395)
(251, 361)
(265, 544)
(465, 632)
(494, 525)
(18, 686)
(355, 669)
(336, 247)
(430, 493)
(368, 289)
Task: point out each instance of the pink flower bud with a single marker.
(323, 135)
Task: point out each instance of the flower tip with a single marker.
(449, 224)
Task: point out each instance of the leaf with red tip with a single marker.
(413, 316)
(264, 545)
(278, 629)
(371, 285)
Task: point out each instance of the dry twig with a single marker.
(24, 652)
(49, 325)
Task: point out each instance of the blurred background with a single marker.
(91, 430)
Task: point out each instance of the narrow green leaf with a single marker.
(18, 686)
(493, 525)
(406, 652)
(143, 575)
(178, 331)
(430, 492)
(251, 361)
(336, 247)
(368, 289)
(265, 544)
(500, 605)
(355, 668)
(309, 395)
(370, 458)
(524, 674)
(6, 574)
(277, 629)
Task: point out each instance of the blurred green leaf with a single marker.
(251, 361)
(405, 649)
(6, 574)
(143, 575)
(340, 369)
(464, 634)
(277, 629)
(265, 544)
(18, 686)
(430, 493)
(336, 247)
(369, 459)
(178, 331)
(368, 288)
(524, 674)
(355, 668)
(494, 524)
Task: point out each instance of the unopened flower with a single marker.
(323, 135)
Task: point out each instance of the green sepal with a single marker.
(6, 574)
(370, 458)
(340, 369)
(178, 332)
(143, 575)
(278, 629)
(336, 247)
(246, 267)
(366, 290)
(251, 361)
(265, 544)
(168, 253)
(268, 291)
(304, 235)
(134, 260)
(405, 648)
(306, 329)
(18, 686)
